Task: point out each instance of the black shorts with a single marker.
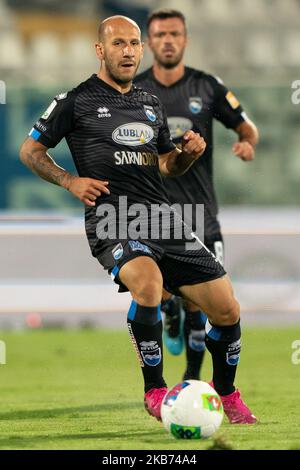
(178, 266)
(216, 245)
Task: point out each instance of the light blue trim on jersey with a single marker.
(132, 310)
(34, 134)
(115, 271)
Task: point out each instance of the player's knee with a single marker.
(148, 290)
(230, 312)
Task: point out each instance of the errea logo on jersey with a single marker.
(62, 96)
(103, 112)
(133, 134)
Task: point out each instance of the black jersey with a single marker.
(192, 103)
(112, 137)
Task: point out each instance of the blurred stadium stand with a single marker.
(46, 47)
(47, 270)
(260, 33)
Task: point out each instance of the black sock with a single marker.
(166, 305)
(224, 344)
(145, 329)
(194, 336)
(172, 309)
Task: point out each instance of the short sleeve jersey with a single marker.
(193, 102)
(112, 137)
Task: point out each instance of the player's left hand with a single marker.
(193, 144)
(244, 151)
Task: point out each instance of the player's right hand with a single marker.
(193, 144)
(87, 190)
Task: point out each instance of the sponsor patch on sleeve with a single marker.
(49, 110)
(232, 100)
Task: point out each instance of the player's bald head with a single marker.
(119, 49)
(113, 24)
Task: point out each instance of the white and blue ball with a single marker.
(192, 410)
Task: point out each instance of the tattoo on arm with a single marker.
(41, 163)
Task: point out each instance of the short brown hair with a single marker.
(164, 14)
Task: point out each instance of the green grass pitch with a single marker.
(83, 390)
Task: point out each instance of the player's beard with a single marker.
(170, 63)
(115, 75)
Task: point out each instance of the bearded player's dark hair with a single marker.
(165, 14)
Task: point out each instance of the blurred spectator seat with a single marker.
(215, 12)
(46, 51)
(188, 10)
(290, 49)
(80, 52)
(253, 11)
(12, 53)
(286, 11)
(260, 50)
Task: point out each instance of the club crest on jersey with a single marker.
(133, 134)
(118, 251)
(150, 113)
(195, 104)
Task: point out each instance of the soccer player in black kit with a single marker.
(192, 99)
(120, 142)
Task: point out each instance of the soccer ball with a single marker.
(192, 410)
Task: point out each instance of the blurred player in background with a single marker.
(120, 142)
(193, 99)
